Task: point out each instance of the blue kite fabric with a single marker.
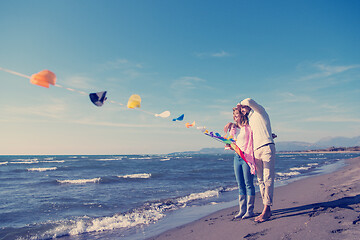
(98, 98)
(179, 118)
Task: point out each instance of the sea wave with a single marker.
(137, 175)
(145, 215)
(3, 163)
(299, 168)
(198, 196)
(42, 169)
(79, 181)
(288, 174)
(25, 161)
(88, 225)
(141, 158)
(312, 164)
(109, 159)
(53, 161)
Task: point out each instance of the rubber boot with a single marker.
(242, 206)
(250, 207)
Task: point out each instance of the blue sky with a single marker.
(299, 59)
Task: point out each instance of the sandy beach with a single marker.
(320, 207)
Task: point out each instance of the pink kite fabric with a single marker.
(244, 140)
(249, 148)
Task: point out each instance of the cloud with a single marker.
(81, 82)
(52, 110)
(324, 70)
(220, 54)
(333, 119)
(187, 83)
(120, 63)
(292, 98)
(113, 124)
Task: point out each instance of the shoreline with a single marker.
(322, 152)
(324, 206)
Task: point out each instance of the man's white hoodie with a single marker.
(259, 122)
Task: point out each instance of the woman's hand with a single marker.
(228, 127)
(228, 147)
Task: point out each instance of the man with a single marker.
(264, 152)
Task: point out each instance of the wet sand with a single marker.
(319, 207)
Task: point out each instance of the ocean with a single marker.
(126, 196)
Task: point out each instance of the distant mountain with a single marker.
(339, 142)
(295, 146)
(322, 143)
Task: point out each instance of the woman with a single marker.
(241, 132)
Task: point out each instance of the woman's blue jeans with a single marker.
(243, 176)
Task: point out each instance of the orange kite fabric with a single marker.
(43, 78)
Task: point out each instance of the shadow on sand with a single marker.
(316, 208)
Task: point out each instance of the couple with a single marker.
(253, 135)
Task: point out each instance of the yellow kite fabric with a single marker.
(134, 101)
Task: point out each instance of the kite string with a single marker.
(56, 85)
(141, 110)
(15, 73)
(66, 88)
(71, 89)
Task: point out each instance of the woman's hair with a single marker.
(244, 120)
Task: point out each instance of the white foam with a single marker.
(299, 168)
(87, 225)
(148, 214)
(312, 164)
(26, 161)
(289, 174)
(164, 159)
(197, 196)
(137, 175)
(42, 169)
(140, 158)
(3, 163)
(109, 159)
(80, 181)
(55, 161)
(229, 189)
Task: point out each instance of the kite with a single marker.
(229, 141)
(98, 98)
(179, 118)
(190, 124)
(163, 114)
(134, 101)
(43, 78)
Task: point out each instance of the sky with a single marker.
(298, 59)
